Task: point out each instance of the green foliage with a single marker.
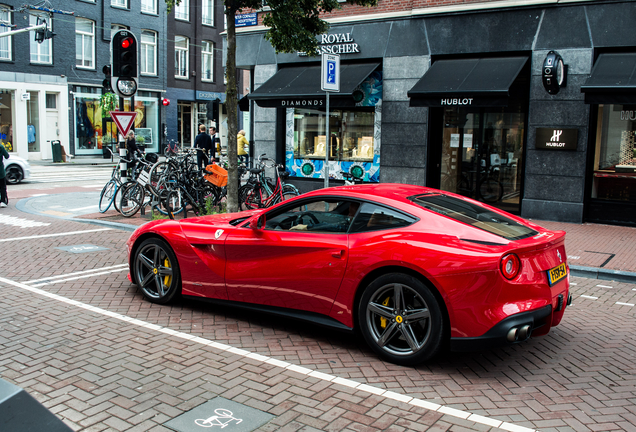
(211, 209)
(157, 216)
(108, 102)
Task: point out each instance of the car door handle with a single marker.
(338, 254)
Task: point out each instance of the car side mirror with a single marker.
(258, 223)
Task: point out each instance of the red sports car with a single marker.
(411, 268)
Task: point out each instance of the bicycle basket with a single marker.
(152, 157)
(218, 176)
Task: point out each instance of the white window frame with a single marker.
(146, 9)
(207, 12)
(37, 47)
(119, 3)
(181, 56)
(207, 53)
(145, 53)
(85, 35)
(182, 11)
(5, 18)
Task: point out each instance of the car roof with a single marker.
(384, 191)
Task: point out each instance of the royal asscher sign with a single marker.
(336, 43)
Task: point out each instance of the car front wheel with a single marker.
(14, 174)
(157, 271)
(401, 319)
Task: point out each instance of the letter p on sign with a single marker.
(330, 72)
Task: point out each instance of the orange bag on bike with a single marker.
(218, 176)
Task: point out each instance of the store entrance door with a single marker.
(481, 154)
(184, 124)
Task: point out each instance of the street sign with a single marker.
(330, 73)
(124, 120)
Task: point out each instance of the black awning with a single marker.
(244, 104)
(467, 82)
(299, 86)
(613, 80)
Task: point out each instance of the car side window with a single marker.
(373, 217)
(321, 215)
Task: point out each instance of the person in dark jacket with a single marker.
(132, 150)
(203, 142)
(4, 199)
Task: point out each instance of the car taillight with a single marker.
(510, 266)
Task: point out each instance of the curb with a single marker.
(603, 274)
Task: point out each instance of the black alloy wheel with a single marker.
(14, 174)
(156, 271)
(401, 319)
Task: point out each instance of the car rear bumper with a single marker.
(516, 328)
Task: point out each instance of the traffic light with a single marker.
(106, 84)
(44, 33)
(124, 69)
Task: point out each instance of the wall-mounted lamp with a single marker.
(554, 73)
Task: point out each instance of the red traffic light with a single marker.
(165, 102)
(125, 43)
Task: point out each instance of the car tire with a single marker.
(156, 271)
(14, 174)
(407, 333)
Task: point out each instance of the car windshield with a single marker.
(473, 214)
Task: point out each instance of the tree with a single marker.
(293, 27)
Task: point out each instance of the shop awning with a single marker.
(473, 82)
(299, 86)
(613, 80)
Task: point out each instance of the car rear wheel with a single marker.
(401, 319)
(157, 271)
(14, 174)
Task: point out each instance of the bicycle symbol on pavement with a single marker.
(222, 418)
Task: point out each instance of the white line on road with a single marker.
(625, 304)
(589, 297)
(283, 364)
(55, 235)
(20, 222)
(604, 286)
(83, 208)
(93, 186)
(79, 277)
(37, 195)
(76, 273)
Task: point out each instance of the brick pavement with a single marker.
(99, 373)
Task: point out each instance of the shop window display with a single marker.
(7, 119)
(354, 145)
(615, 155)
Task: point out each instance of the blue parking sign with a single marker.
(331, 71)
(330, 76)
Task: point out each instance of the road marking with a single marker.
(19, 222)
(573, 283)
(79, 277)
(93, 186)
(604, 286)
(76, 273)
(625, 304)
(55, 235)
(275, 362)
(57, 213)
(37, 195)
(589, 297)
(83, 208)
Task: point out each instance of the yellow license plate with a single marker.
(557, 273)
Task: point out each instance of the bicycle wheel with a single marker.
(289, 191)
(490, 190)
(107, 195)
(173, 203)
(250, 197)
(132, 198)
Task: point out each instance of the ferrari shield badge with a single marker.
(217, 234)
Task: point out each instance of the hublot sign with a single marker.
(456, 101)
(556, 139)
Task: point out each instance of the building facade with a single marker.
(51, 90)
(527, 106)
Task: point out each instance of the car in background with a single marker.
(413, 269)
(17, 169)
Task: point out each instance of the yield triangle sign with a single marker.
(124, 120)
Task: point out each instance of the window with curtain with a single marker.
(119, 3)
(149, 6)
(148, 60)
(181, 47)
(207, 15)
(84, 43)
(207, 61)
(182, 10)
(41, 52)
(5, 42)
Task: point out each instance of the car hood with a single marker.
(205, 229)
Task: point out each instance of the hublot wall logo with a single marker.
(556, 139)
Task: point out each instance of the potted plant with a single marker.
(140, 142)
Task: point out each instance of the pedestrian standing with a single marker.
(243, 148)
(132, 150)
(4, 198)
(216, 143)
(203, 142)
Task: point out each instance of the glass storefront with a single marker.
(33, 122)
(482, 154)
(614, 173)
(354, 146)
(93, 129)
(7, 119)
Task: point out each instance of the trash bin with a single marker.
(56, 146)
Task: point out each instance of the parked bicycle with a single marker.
(260, 192)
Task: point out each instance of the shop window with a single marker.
(207, 17)
(615, 154)
(7, 119)
(33, 122)
(41, 52)
(207, 61)
(182, 10)
(148, 53)
(84, 43)
(181, 60)
(5, 42)
(147, 120)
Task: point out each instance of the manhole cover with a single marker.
(84, 248)
(220, 413)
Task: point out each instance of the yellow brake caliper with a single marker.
(167, 279)
(383, 321)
